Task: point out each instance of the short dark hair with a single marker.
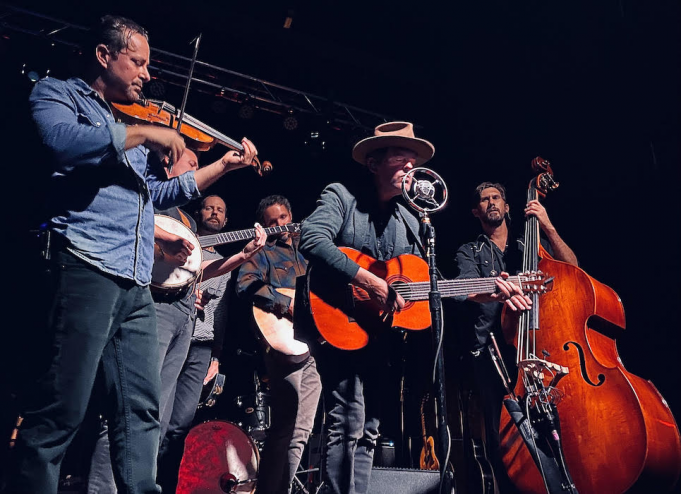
(115, 32)
(477, 194)
(270, 201)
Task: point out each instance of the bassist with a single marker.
(495, 251)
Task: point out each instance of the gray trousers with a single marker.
(295, 392)
(175, 329)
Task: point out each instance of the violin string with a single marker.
(212, 132)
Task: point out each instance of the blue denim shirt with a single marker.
(101, 197)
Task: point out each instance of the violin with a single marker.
(197, 135)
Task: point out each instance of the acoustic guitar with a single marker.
(277, 332)
(169, 279)
(345, 315)
(428, 459)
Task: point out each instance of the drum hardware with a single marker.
(229, 482)
(257, 419)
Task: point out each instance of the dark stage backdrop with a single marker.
(591, 86)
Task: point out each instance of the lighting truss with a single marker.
(218, 81)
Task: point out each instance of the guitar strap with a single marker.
(410, 232)
(185, 220)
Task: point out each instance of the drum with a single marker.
(254, 414)
(218, 457)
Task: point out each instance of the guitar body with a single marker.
(428, 460)
(345, 316)
(173, 280)
(277, 332)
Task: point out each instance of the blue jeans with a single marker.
(175, 329)
(351, 383)
(92, 317)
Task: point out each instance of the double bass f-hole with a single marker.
(582, 364)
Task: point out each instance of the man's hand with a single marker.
(168, 142)
(202, 298)
(510, 294)
(213, 370)
(535, 208)
(257, 243)
(176, 249)
(387, 298)
(233, 160)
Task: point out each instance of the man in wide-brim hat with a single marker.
(377, 225)
(396, 135)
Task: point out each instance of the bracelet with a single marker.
(214, 359)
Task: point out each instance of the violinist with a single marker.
(493, 252)
(105, 182)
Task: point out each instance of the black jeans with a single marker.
(92, 317)
(175, 329)
(351, 383)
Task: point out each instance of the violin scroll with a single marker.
(262, 168)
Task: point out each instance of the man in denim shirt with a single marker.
(106, 178)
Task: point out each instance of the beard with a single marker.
(212, 226)
(493, 221)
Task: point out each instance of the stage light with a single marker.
(219, 106)
(157, 89)
(290, 121)
(246, 111)
(289, 19)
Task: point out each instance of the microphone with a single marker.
(430, 191)
(424, 190)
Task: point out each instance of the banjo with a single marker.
(174, 280)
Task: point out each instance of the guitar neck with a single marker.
(451, 288)
(249, 233)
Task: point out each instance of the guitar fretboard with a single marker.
(229, 237)
(451, 288)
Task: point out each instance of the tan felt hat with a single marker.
(394, 134)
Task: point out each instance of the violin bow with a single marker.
(196, 42)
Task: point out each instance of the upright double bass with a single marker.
(616, 431)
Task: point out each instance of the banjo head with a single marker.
(164, 275)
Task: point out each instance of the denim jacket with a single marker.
(101, 197)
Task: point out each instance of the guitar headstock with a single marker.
(535, 282)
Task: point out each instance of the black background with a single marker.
(592, 86)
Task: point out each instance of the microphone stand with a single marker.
(435, 302)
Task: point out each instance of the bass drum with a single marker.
(218, 457)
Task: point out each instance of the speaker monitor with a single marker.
(403, 481)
